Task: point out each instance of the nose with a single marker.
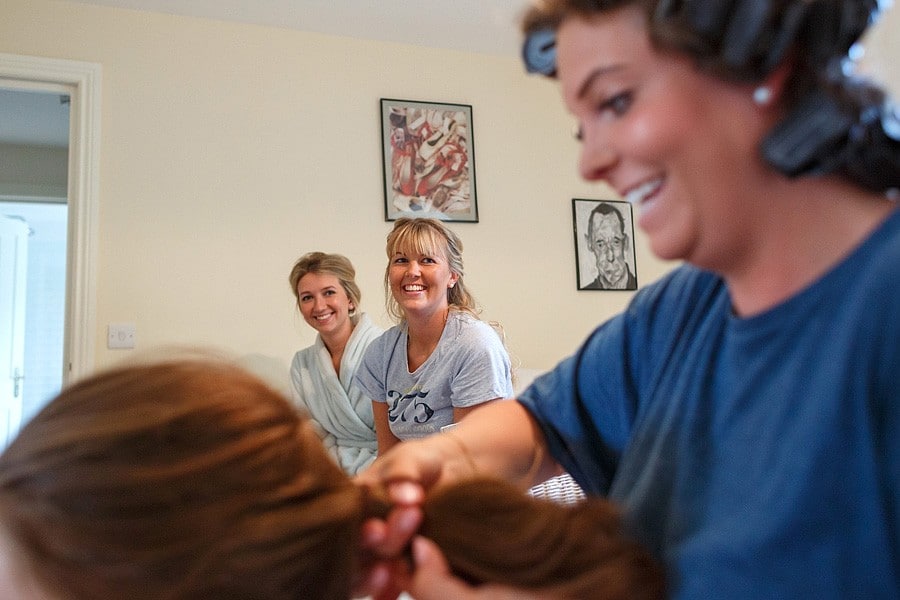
(318, 302)
(412, 268)
(597, 155)
(610, 254)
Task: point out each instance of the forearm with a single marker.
(500, 439)
(383, 434)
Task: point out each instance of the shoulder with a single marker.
(467, 327)
(472, 341)
(594, 285)
(867, 280)
(865, 288)
(306, 354)
(382, 341)
(365, 329)
(881, 250)
(678, 292)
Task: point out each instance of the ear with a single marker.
(774, 85)
(454, 277)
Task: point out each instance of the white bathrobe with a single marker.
(340, 410)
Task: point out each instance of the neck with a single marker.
(424, 335)
(802, 236)
(335, 342)
(428, 326)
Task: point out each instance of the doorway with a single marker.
(34, 147)
(33, 343)
(70, 208)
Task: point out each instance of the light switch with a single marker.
(120, 335)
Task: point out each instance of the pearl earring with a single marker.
(762, 95)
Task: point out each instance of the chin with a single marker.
(667, 249)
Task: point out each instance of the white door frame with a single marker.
(83, 79)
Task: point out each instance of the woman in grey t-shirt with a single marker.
(440, 361)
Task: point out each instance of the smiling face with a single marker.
(419, 281)
(671, 140)
(325, 305)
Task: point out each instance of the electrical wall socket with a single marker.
(120, 335)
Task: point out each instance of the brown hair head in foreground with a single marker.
(193, 479)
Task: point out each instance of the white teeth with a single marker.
(414, 288)
(638, 194)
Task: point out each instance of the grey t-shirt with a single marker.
(469, 366)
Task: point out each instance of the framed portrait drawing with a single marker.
(604, 245)
(428, 154)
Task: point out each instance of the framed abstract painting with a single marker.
(428, 154)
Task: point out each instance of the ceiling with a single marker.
(480, 26)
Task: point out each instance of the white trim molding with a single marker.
(82, 80)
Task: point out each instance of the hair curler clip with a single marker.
(539, 52)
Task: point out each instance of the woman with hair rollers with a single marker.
(744, 409)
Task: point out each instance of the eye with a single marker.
(428, 260)
(399, 260)
(617, 104)
(330, 292)
(305, 298)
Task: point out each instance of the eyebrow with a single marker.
(595, 75)
(324, 289)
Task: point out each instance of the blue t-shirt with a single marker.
(469, 366)
(758, 457)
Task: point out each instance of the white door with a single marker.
(13, 266)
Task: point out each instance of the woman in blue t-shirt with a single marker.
(743, 410)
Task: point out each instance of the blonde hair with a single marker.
(432, 237)
(332, 264)
(192, 479)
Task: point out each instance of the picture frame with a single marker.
(604, 257)
(428, 156)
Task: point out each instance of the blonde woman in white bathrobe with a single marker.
(322, 374)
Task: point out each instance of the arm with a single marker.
(499, 440)
(383, 434)
(461, 411)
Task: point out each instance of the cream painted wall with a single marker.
(229, 150)
(882, 57)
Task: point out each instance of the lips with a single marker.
(414, 287)
(641, 192)
(643, 196)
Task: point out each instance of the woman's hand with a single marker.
(408, 470)
(386, 566)
(403, 474)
